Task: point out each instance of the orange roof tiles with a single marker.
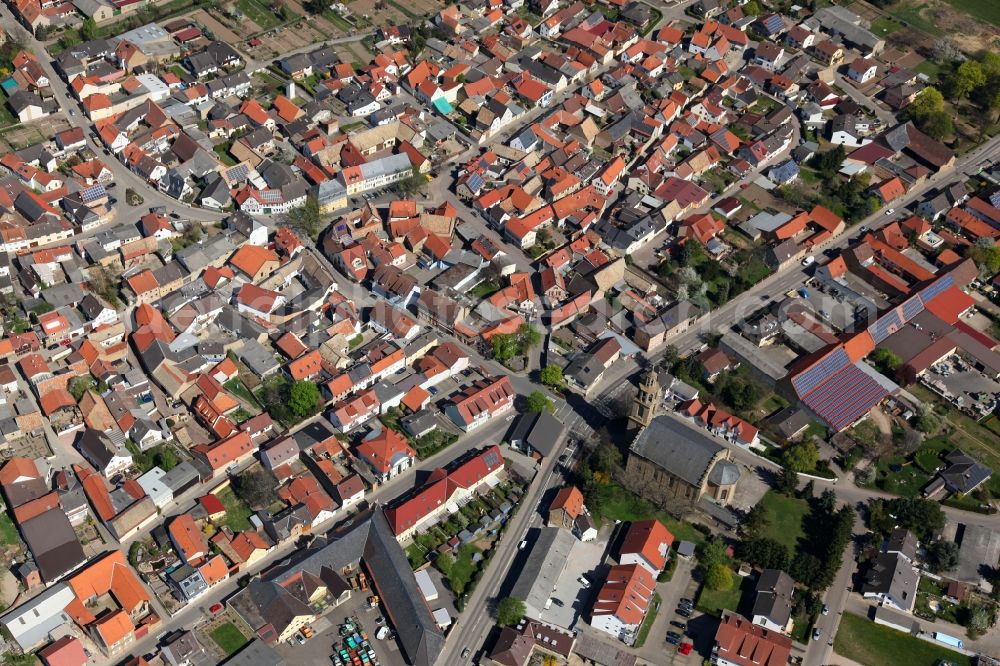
(214, 571)
(306, 366)
(111, 573)
(187, 538)
(650, 539)
(252, 259)
(626, 594)
(570, 500)
(114, 628)
(380, 451)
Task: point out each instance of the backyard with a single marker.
(713, 602)
(238, 514)
(426, 446)
(228, 637)
(784, 518)
(906, 476)
(8, 533)
(613, 502)
(871, 644)
(973, 437)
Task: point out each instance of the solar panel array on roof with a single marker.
(912, 307)
(936, 289)
(886, 325)
(92, 193)
(491, 458)
(475, 182)
(845, 397)
(807, 380)
(237, 173)
(271, 196)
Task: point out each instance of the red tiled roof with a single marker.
(380, 451)
(626, 594)
(741, 642)
(650, 539)
(440, 486)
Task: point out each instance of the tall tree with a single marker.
(306, 218)
(303, 398)
(552, 375)
(510, 611)
(967, 77)
(539, 402)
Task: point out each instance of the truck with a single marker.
(941, 637)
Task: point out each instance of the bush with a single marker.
(719, 577)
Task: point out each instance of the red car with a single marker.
(214, 608)
(685, 648)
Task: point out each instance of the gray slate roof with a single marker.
(773, 597)
(679, 449)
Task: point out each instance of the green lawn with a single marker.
(485, 289)
(222, 152)
(8, 533)
(338, 20)
(612, 502)
(808, 176)
(784, 518)
(883, 26)
(714, 602)
(986, 10)
(909, 12)
(462, 570)
(228, 637)
(871, 644)
(907, 482)
(647, 623)
(967, 433)
(236, 387)
(237, 512)
(773, 403)
(259, 13)
(930, 68)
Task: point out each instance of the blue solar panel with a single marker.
(845, 397)
(936, 289)
(93, 192)
(911, 307)
(807, 381)
(271, 196)
(885, 326)
(475, 182)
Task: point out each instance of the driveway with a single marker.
(680, 586)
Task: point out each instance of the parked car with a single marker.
(686, 602)
(826, 609)
(673, 639)
(817, 633)
(684, 612)
(584, 582)
(809, 261)
(680, 625)
(558, 602)
(214, 608)
(465, 653)
(522, 545)
(299, 639)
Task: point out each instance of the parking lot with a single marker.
(585, 560)
(326, 639)
(964, 386)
